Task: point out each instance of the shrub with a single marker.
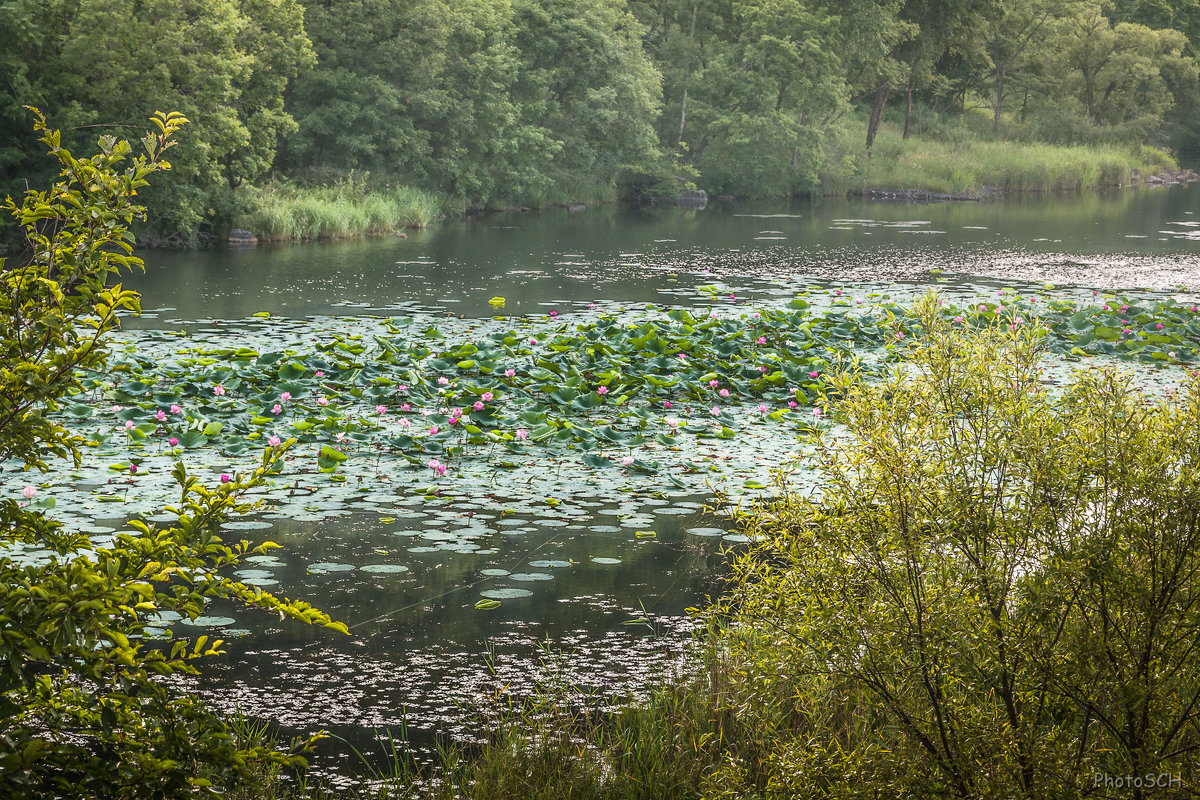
(81, 714)
(997, 593)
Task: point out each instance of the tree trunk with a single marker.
(908, 111)
(999, 100)
(881, 98)
(687, 70)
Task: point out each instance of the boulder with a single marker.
(241, 237)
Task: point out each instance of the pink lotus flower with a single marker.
(322, 401)
(274, 440)
(1159, 326)
(275, 409)
(681, 356)
(591, 306)
(406, 407)
(602, 390)
(319, 374)
(508, 373)
(533, 341)
(404, 423)
(838, 292)
(453, 421)
(437, 466)
(129, 425)
(133, 469)
(671, 421)
(219, 390)
(791, 403)
(433, 431)
(817, 412)
(813, 374)
(402, 388)
(715, 411)
(443, 381)
(172, 441)
(176, 410)
(160, 415)
(522, 434)
(762, 409)
(713, 383)
(28, 492)
(761, 340)
(763, 369)
(381, 409)
(666, 404)
(554, 313)
(224, 478)
(478, 405)
(958, 320)
(626, 461)
(487, 397)
(724, 393)
(285, 396)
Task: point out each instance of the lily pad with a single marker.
(505, 594)
(385, 569)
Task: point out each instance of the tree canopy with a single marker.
(490, 103)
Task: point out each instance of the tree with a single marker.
(997, 593)
(80, 712)
(98, 65)
(1124, 74)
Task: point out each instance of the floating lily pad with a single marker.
(494, 573)
(385, 569)
(543, 564)
(505, 594)
(606, 561)
(209, 622)
(329, 566)
(531, 576)
(706, 531)
(243, 574)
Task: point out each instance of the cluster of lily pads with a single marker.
(605, 387)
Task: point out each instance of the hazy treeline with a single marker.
(498, 102)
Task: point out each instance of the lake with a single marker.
(571, 555)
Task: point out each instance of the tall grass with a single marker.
(291, 213)
(967, 166)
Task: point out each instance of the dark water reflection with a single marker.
(423, 660)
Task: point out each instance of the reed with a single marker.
(971, 165)
(290, 213)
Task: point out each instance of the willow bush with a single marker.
(81, 711)
(996, 592)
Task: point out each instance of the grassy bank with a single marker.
(969, 166)
(290, 213)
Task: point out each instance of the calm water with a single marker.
(605, 607)
(1122, 240)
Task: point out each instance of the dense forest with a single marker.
(495, 103)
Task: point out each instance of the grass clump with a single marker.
(970, 165)
(283, 212)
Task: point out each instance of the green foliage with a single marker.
(972, 164)
(994, 595)
(81, 713)
(344, 209)
(103, 64)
